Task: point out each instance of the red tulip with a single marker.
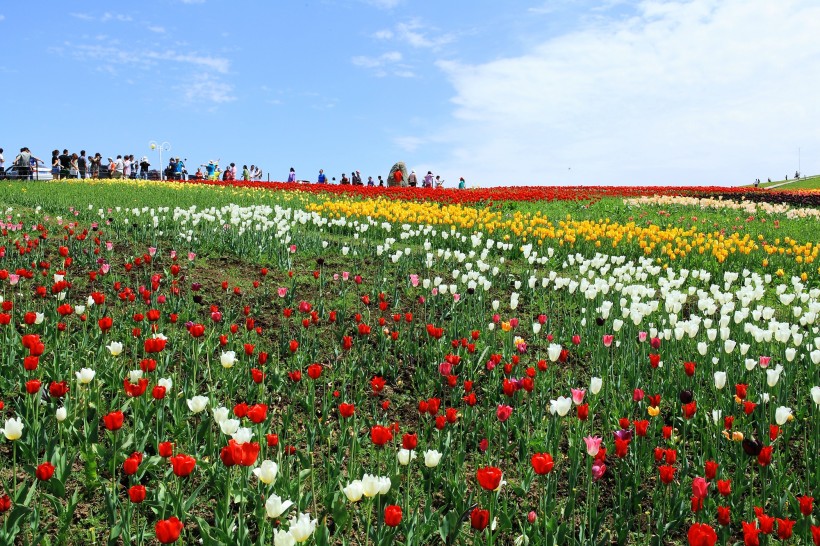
(542, 463)
(5, 503)
(392, 515)
(377, 384)
(130, 466)
(667, 473)
(258, 413)
(314, 371)
(724, 487)
(380, 435)
(45, 471)
(784, 528)
(136, 493)
(711, 468)
(701, 534)
(724, 515)
(243, 454)
(113, 421)
(346, 410)
(806, 505)
(479, 519)
(409, 441)
(183, 464)
(489, 477)
(168, 530)
(166, 449)
(33, 386)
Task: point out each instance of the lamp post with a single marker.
(165, 146)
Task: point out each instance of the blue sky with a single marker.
(503, 93)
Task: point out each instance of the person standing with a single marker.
(412, 180)
(82, 165)
(246, 174)
(398, 178)
(2, 164)
(73, 167)
(119, 168)
(461, 183)
(439, 182)
(179, 170)
(370, 182)
(428, 180)
(55, 164)
(23, 163)
(322, 177)
(144, 165)
(381, 181)
(126, 166)
(65, 164)
(96, 162)
(292, 175)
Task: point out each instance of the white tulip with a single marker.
(85, 376)
(815, 395)
(274, 507)
(166, 382)
(405, 456)
(115, 348)
(716, 416)
(729, 345)
(773, 376)
(790, 354)
(595, 385)
(815, 356)
(560, 406)
(242, 436)
(720, 380)
(227, 359)
(703, 347)
(134, 376)
(384, 485)
(354, 491)
(370, 485)
(750, 363)
(283, 538)
(431, 458)
(554, 351)
(266, 473)
(13, 429)
(229, 426)
(61, 414)
(536, 327)
(38, 317)
(197, 403)
(302, 527)
(782, 414)
(221, 414)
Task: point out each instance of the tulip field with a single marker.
(276, 365)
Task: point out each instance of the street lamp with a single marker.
(165, 146)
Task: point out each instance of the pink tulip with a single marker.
(637, 395)
(282, 291)
(764, 361)
(514, 322)
(598, 470)
(593, 444)
(641, 336)
(578, 396)
(608, 338)
(700, 487)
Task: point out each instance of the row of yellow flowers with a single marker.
(667, 243)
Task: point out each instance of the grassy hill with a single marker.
(807, 183)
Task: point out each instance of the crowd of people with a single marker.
(67, 165)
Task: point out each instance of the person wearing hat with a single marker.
(461, 183)
(179, 170)
(412, 180)
(210, 169)
(144, 167)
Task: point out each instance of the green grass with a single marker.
(808, 183)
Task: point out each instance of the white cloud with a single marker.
(192, 1)
(115, 17)
(206, 88)
(415, 34)
(84, 16)
(377, 62)
(2, 17)
(384, 4)
(156, 28)
(699, 91)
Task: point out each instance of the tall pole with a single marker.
(160, 147)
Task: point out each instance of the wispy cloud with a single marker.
(156, 28)
(192, 1)
(104, 18)
(206, 88)
(383, 4)
(2, 17)
(376, 62)
(675, 94)
(415, 34)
